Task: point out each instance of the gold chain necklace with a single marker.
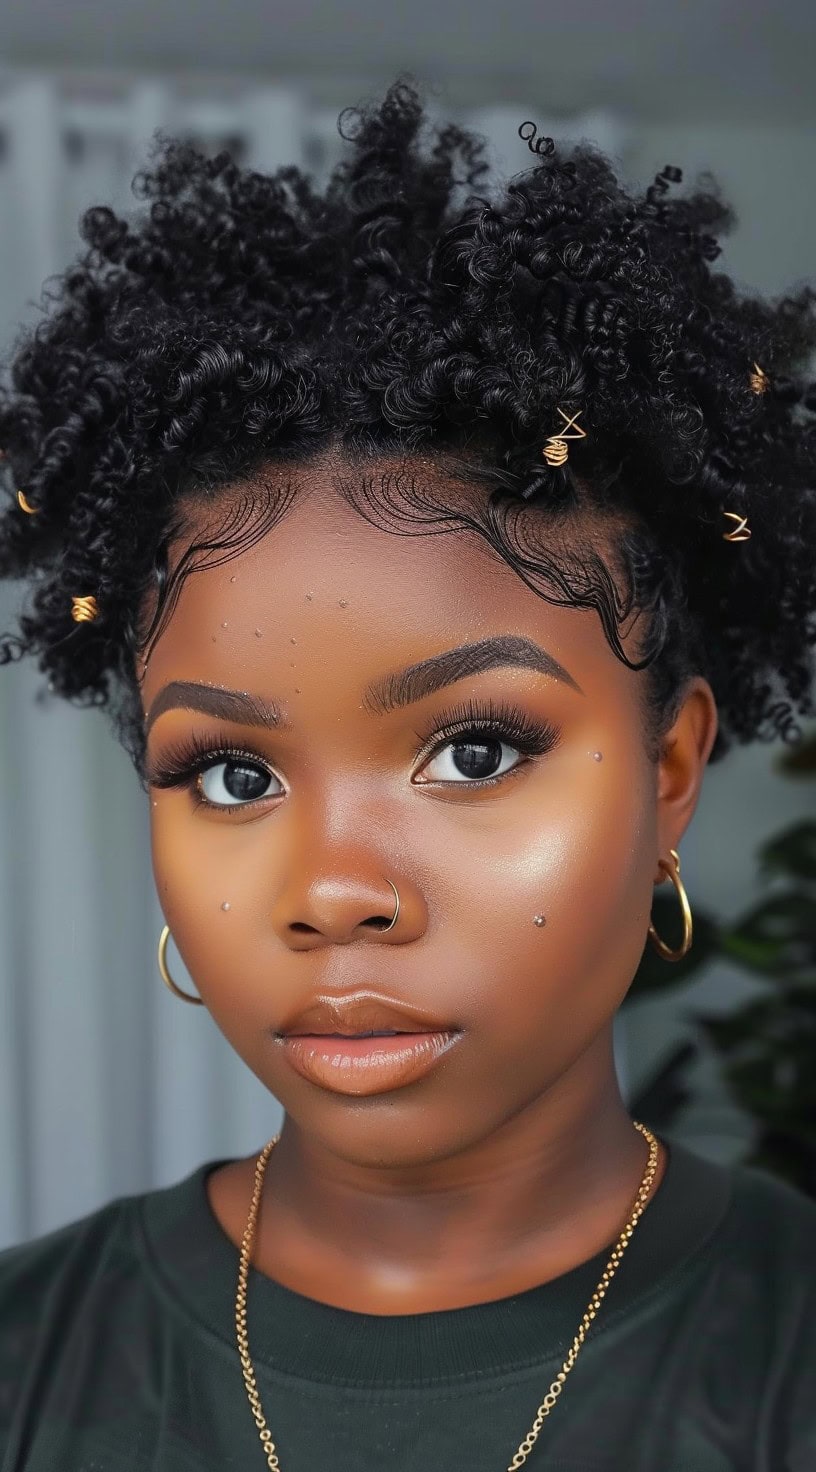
(555, 1389)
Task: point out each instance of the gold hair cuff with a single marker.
(32, 510)
(556, 448)
(741, 532)
(759, 380)
(83, 609)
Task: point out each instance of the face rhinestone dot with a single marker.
(258, 634)
(224, 624)
(226, 905)
(597, 756)
(309, 597)
(344, 602)
(293, 640)
(539, 920)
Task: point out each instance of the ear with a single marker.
(685, 750)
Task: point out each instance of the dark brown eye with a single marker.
(228, 782)
(473, 759)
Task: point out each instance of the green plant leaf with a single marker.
(792, 852)
(776, 937)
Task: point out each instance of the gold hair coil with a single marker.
(739, 533)
(83, 609)
(556, 448)
(760, 382)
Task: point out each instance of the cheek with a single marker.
(580, 854)
(193, 882)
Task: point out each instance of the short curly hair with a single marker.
(244, 318)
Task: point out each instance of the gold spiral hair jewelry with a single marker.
(759, 380)
(739, 533)
(268, 1449)
(84, 609)
(556, 448)
(673, 871)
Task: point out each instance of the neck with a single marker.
(542, 1193)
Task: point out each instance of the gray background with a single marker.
(107, 1084)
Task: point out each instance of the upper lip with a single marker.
(361, 1012)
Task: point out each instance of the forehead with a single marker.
(385, 580)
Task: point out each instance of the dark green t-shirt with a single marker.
(118, 1353)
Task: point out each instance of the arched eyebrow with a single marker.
(429, 675)
(404, 687)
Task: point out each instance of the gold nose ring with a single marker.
(396, 912)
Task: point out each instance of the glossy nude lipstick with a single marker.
(366, 1065)
(364, 1042)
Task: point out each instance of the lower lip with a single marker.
(366, 1065)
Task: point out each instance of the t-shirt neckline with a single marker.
(189, 1254)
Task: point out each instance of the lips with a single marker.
(357, 1014)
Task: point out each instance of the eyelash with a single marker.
(187, 759)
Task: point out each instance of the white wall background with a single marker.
(107, 1083)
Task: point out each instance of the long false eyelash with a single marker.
(186, 758)
(476, 717)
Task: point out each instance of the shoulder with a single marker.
(41, 1277)
(766, 1275)
(767, 1246)
(44, 1285)
(33, 1268)
(774, 1213)
(765, 1261)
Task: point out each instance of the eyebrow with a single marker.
(403, 688)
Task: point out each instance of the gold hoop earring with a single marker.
(660, 946)
(167, 978)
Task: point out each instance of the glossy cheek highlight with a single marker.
(562, 911)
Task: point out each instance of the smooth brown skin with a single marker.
(515, 1159)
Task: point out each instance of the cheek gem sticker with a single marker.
(539, 920)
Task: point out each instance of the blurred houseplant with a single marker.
(767, 1048)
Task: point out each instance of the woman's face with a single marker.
(275, 883)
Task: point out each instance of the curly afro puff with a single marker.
(242, 318)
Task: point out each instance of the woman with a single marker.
(424, 547)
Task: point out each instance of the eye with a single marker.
(473, 759)
(234, 782)
(217, 776)
(482, 741)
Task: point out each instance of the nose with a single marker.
(340, 910)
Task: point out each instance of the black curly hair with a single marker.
(243, 319)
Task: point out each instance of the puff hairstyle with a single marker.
(239, 319)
